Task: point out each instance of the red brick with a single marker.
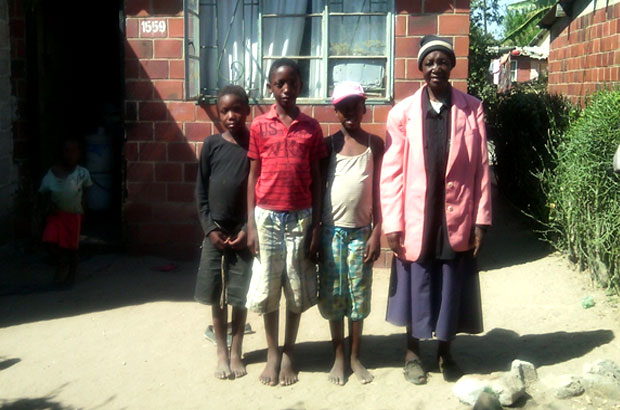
(168, 172)
(207, 113)
(132, 69)
(180, 192)
(460, 85)
(438, 6)
(399, 68)
(401, 26)
(152, 69)
(168, 89)
(146, 192)
(139, 131)
(187, 233)
(179, 213)
(460, 70)
(139, 49)
(422, 25)
(403, 89)
(183, 152)
(176, 27)
(453, 24)
(190, 171)
(462, 6)
(409, 6)
(256, 110)
(131, 28)
(137, 212)
(139, 90)
(374, 128)
(197, 131)
(149, 234)
(324, 113)
(140, 172)
(152, 151)
(131, 151)
(167, 7)
(168, 48)
(131, 111)
(461, 46)
(197, 146)
(183, 111)
(177, 69)
(154, 33)
(407, 46)
(137, 7)
(168, 132)
(153, 111)
(413, 70)
(380, 113)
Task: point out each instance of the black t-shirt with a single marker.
(221, 185)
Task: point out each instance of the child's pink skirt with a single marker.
(63, 229)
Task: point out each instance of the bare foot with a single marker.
(269, 376)
(222, 370)
(363, 375)
(336, 374)
(237, 367)
(288, 375)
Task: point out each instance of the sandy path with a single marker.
(130, 338)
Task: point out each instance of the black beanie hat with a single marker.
(432, 43)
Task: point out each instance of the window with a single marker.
(236, 41)
(513, 71)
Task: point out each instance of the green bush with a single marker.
(583, 193)
(524, 124)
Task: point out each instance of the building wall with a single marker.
(8, 172)
(165, 133)
(584, 54)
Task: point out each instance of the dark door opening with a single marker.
(75, 82)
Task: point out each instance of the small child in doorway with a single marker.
(284, 209)
(350, 239)
(226, 262)
(63, 188)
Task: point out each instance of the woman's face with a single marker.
(436, 68)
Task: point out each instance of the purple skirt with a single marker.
(440, 297)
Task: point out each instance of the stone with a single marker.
(487, 401)
(526, 371)
(569, 386)
(507, 387)
(468, 388)
(603, 379)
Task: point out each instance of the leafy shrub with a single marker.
(524, 124)
(584, 193)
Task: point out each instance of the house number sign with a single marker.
(153, 28)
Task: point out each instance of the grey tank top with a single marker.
(348, 198)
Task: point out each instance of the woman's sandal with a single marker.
(414, 372)
(450, 370)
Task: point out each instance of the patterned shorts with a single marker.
(345, 280)
(284, 263)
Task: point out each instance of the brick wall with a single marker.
(585, 55)
(165, 133)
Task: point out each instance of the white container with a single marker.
(98, 197)
(99, 152)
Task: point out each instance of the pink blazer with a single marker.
(403, 173)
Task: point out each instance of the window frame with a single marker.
(325, 58)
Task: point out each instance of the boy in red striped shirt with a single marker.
(284, 211)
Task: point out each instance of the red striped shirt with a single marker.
(286, 155)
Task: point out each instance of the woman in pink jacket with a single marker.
(436, 203)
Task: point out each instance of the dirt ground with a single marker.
(128, 337)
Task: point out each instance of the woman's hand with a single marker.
(395, 242)
(252, 238)
(479, 233)
(373, 248)
(218, 239)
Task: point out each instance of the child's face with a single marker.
(71, 153)
(233, 112)
(285, 85)
(350, 112)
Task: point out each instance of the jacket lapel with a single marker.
(458, 119)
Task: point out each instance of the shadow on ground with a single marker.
(491, 352)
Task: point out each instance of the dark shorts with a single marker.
(238, 270)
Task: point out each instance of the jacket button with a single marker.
(450, 209)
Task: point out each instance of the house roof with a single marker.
(535, 52)
(561, 9)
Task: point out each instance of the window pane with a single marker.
(357, 6)
(368, 72)
(292, 36)
(357, 35)
(292, 6)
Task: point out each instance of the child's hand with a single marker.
(218, 239)
(373, 249)
(240, 241)
(395, 242)
(313, 248)
(252, 239)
